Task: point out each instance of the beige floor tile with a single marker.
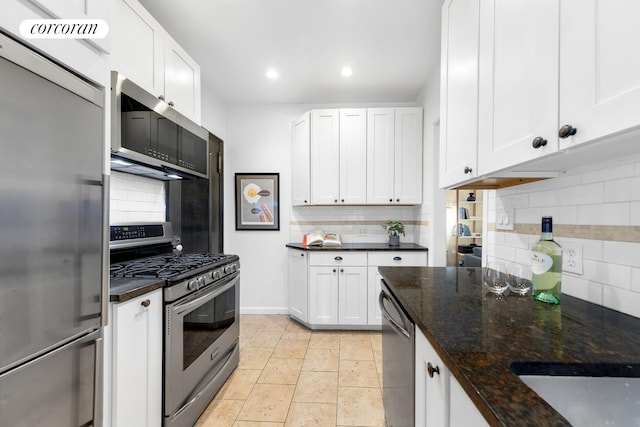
(324, 340)
(222, 414)
(376, 341)
(360, 407)
(254, 358)
(358, 373)
(267, 402)
(256, 424)
(291, 349)
(275, 323)
(311, 415)
(317, 387)
(377, 356)
(295, 326)
(296, 335)
(239, 384)
(356, 350)
(321, 359)
(281, 371)
(265, 339)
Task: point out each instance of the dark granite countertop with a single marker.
(126, 288)
(480, 336)
(361, 247)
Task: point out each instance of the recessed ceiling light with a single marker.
(272, 74)
(346, 71)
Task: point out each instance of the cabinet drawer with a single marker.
(338, 258)
(398, 258)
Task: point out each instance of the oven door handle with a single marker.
(190, 305)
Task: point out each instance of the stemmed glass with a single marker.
(494, 277)
(519, 278)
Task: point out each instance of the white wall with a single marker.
(214, 112)
(597, 207)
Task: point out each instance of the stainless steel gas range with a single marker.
(201, 314)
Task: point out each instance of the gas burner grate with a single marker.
(165, 266)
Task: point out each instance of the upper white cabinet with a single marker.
(338, 157)
(518, 82)
(459, 91)
(599, 76)
(394, 156)
(301, 158)
(146, 54)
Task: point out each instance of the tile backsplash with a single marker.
(136, 198)
(598, 208)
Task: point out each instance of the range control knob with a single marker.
(191, 285)
(227, 269)
(216, 274)
(201, 282)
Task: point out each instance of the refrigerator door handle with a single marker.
(106, 230)
(99, 382)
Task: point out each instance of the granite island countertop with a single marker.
(479, 335)
(122, 289)
(360, 247)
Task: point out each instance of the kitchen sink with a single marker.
(587, 394)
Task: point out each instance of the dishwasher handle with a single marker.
(400, 329)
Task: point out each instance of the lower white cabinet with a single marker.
(432, 386)
(387, 259)
(137, 361)
(338, 288)
(463, 412)
(298, 285)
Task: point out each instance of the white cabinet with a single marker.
(298, 284)
(432, 386)
(338, 288)
(463, 411)
(301, 158)
(394, 156)
(146, 54)
(599, 77)
(459, 91)
(518, 82)
(386, 259)
(338, 143)
(137, 361)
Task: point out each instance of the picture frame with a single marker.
(257, 201)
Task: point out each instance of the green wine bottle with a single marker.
(546, 265)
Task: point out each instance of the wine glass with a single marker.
(494, 277)
(519, 278)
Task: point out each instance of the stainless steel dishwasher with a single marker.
(398, 347)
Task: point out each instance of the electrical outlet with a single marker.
(572, 258)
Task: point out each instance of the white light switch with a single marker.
(505, 219)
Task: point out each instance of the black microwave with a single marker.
(146, 130)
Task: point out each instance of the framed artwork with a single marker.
(257, 201)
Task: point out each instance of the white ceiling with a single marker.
(392, 46)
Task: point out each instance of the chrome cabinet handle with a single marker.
(161, 97)
(397, 258)
(566, 131)
(538, 142)
(431, 370)
(146, 303)
(171, 103)
(467, 170)
(338, 258)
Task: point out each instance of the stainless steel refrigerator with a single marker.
(52, 258)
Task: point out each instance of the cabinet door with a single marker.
(463, 412)
(181, 80)
(298, 284)
(325, 157)
(380, 155)
(300, 151)
(408, 156)
(518, 94)
(137, 45)
(432, 389)
(599, 77)
(459, 91)
(374, 315)
(137, 361)
(353, 156)
(352, 296)
(323, 295)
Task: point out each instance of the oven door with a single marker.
(201, 336)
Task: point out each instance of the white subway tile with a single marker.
(622, 300)
(582, 194)
(622, 190)
(607, 214)
(624, 253)
(581, 288)
(635, 279)
(608, 173)
(634, 213)
(607, 273)
(546, 198)
(520, 241)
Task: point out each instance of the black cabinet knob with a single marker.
(538, 142)
(432, 370)
(335, 200)
(342, 200)
(334, 270)
(338, 258)
(146, 303)
(398, 200)
(397, 258)
(566, 131)
(391, 200)
(467, 170)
